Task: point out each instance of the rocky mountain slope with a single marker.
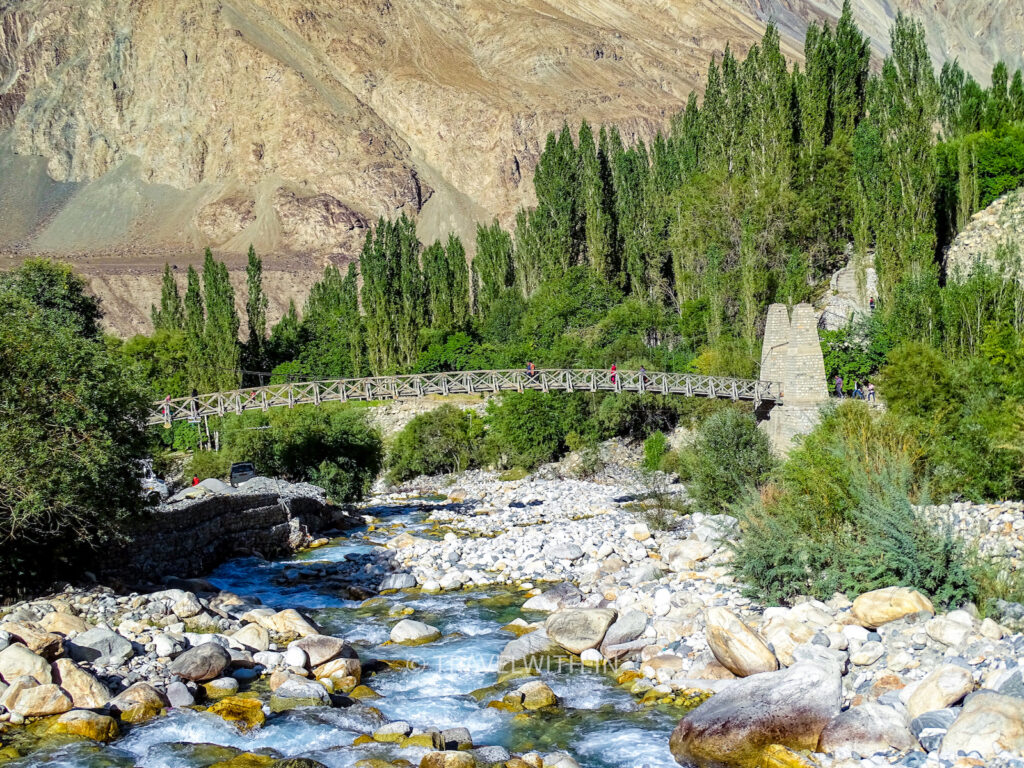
(136, 131)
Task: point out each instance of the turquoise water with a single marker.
(599, 723)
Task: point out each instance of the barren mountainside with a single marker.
(138, 131)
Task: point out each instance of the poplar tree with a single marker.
(597, 204)
(256, 306)
(436, 279)
(195, 326)
(458, 276)
(998, 109)
(1017, 97)
(378, 277)
(493, 269)
(170, 316)
(331, 328)
(220, 335)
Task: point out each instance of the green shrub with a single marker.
(728, 455)
(206, 464)
(443, 440)
(70, 435)
(655, 449)
(917, 381)
(636, 416)
(331, 446)
(840, 517)
(524, 429)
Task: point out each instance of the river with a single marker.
(598, 723)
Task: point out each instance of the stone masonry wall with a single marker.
(192, 539)
(792, 354)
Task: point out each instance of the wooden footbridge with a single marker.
(459, 383)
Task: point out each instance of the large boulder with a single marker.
(563, 595)
(396, 581)
(289, 623)
(880, 606)
(537, 695)
(100, 647)
(448, 759)
(320, 649)
(202, 663)
(253, 636)
(736, 646)
(867, 729)
(629, 626)
(138, 703)
(296, 692)
(941, 688)
(17, 661)
(530, 646)
(790, 707)
(63, 624)
(87, 725)
(86, 691)
(989, 723)
(41, 701)
(580, 629)
(412, 632)
(47, 644)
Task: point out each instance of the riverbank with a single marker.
(543, 617)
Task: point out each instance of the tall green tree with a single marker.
(55, 288)
(493, 267)
(170, 315)
(597, 204)
(220, 336)
(256, 306)
(195, 328)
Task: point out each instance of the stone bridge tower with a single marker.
(791, 355)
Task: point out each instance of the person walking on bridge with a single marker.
(613, 373)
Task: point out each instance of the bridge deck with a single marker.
(460, 382)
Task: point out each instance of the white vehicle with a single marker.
(154, 490)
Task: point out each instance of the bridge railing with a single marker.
(459, 382)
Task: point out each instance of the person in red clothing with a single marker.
(195, 480)
(613, 372)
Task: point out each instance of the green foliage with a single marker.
(221, 350)
(170, 315)
(256, 305)
(655, 448)
(917, 381)
(160, 360)
(70, 430)
(840, 518)
(59, 292)
(856, 352)
(445, 439)
(329, 446)
(728, 455)
(207, 464)
(528, 429)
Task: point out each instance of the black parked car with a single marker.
(242, 471)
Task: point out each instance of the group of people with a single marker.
(531, 371)
(861, 391)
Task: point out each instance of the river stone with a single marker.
(296, 692)
(202, 663)
(17, 660)
(563, 551)
(248, 713)
(448, 759)
(579, 629)
(988, 724)
(786, 634)
(412, 632)
(867, 729)
(880, 606)
(42, 701)
(138, 703)
(337, 668)
(560, 760)
(296, 762)
(943, 687)
(867, 654)
(626, 628)
(522, 649)
(47, 644)
(397, 581)
(221, 687)
(537, 695)
(179, 695)
(736, 646)
(947, 630)
(564, 595)
(685, 555)
(86, 691)
(323, 648)
(790, 707)
(63, 623)
(253, 636)
(88, 725)
(100, 647)
(296, 657)
(289, 623)
(10, 694)
(457, 738)
(392, 732)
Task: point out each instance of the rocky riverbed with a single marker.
(537, 622)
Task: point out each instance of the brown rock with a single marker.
(47, 644)
(138, 703)
(988, 724)
(17, 660)
(41, 701)
(941, 688)
(451, 759)
(736, 646)
(880, 606)
(253, 636)
(339, 668)
(288, 623)
(323, 648)
(63, 624)
(86, 691)
(867, 729)
(579, 629)
(88, 725)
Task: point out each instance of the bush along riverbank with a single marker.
(534, 622)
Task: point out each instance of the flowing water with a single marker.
(598, 722)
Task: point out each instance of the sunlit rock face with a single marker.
(145, 131)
